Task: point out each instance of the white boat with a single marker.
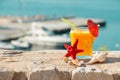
(18, 44)
(41, 38)
(4, 45)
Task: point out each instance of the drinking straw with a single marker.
(70, 23)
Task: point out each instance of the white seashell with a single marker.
(98, 57)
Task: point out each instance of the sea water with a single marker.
(109, 10)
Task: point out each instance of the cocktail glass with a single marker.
(85, 42)
(85, 37)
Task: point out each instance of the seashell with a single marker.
(81, 63)
(65, 59)
(98, 57)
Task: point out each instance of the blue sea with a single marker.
(109, 10)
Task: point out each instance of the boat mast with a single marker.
(20, 7)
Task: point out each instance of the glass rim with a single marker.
(80, 28)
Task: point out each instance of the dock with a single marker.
(10, 31)
(11, 28)
(58, 26)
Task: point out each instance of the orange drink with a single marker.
(85, 38)
(85, 42)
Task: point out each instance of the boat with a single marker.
(41, 38)
(21, 45)
(4, 45)
(50, 34)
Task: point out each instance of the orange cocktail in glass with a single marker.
(85, 42)
(85, 38)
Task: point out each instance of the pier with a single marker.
(10, 31)
(11, 27)
(59, 26)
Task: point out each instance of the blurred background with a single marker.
(18, 18)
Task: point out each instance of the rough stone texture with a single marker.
(44, 72)
(48, 65)
(6, 75)
(19, 76)
(89, 73)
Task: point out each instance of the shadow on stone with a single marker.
(20, 76)
(112, 59)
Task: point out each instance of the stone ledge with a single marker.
(48, 65)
